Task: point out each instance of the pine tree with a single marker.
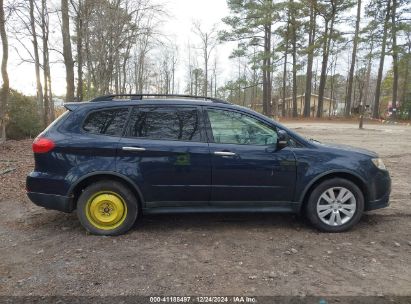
(250, 23)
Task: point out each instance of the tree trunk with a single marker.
(239, 78)
(323, 76)
(206, 65)
(215, 77)
(87, 51)
(376, 110)
(394, 60)
(52, 111)
(406, 81)
(44, 30)
(333, 67)
(196, 83)
(353, 57)
(310, 60)
(267, 85)
(284, 88)
(366, 87)
(173, 71)
(67, 54)
(5, 89)
(272, 108)
(294, 54)
(80, 33)
(124, 67)
(265, 109)
(39, 88)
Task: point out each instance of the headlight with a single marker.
(379, 163)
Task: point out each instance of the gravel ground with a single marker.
(47, 252)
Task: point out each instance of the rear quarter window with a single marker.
(106, 122)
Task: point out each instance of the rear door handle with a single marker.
(133, 149)
(224, 153)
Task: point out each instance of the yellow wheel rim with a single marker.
(106, 210)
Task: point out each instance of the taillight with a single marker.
(42, 145)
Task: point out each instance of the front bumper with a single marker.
(379, 203)
(380, 197)
(52, 201)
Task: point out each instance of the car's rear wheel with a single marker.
(335, 205)
(107, 208)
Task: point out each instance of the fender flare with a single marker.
(330, 172)
(116, 174)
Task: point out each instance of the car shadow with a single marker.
(50, 220)
(215, 221)
(54, 221)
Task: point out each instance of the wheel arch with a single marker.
(76, 189)
(353, 177)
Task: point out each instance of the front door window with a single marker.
(230, 127)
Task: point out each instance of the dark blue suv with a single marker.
(113, 159)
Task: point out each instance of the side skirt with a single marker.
(229, 207)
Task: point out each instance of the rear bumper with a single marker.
(52, 201)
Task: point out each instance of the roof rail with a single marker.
(141, 96)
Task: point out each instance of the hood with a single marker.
(348, 148)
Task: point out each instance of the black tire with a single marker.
(311, 207)
(127, 198)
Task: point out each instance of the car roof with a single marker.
(149, 101)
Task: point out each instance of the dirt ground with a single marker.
(45, 252)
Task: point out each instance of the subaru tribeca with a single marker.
(120, 156)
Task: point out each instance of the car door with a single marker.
(165, 151)
(247, 167)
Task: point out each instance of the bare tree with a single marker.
(329, 19)
(47, 95)
(5, 89)
(293, 32)
(208, 43)
(39, 88)
(310, 58)
(80, 13)
(376, 110)
(406, 82)
(116, 52)
(286, 47)
(67, 53)
(215, 73)
(394, 58)
(353, 58)
(266, 68)
(28, 15)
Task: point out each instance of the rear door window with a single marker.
(166, 123)
(106, 122)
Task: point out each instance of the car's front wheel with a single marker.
(335, 205)
(107, 208)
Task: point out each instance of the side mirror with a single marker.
(282, 140)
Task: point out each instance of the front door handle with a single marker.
(224, 153)
(134, 149)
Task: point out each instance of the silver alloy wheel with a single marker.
(336, 206)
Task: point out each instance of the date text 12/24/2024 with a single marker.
(202, 299)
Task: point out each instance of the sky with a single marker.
(177, 27)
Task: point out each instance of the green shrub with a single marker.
(23, 118)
